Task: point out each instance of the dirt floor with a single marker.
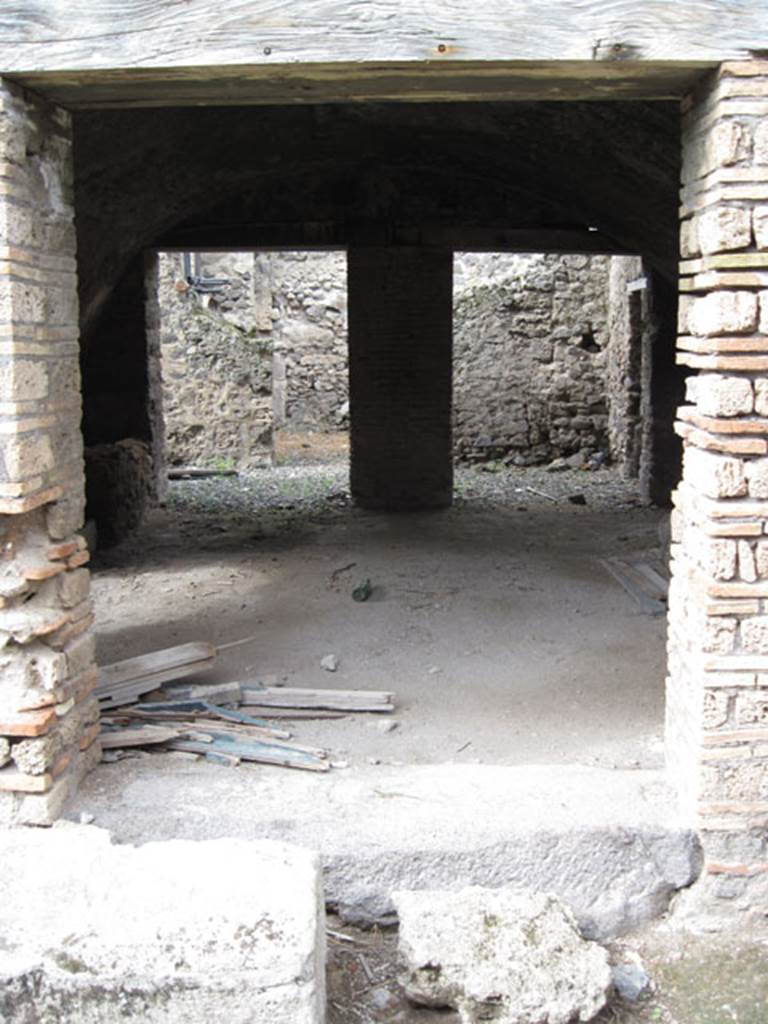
(501, 634)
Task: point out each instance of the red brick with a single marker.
(79, 559)
(64, 550)
(28, 723)
(746, 870)
(90, 734)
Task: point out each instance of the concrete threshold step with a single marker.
(609, 842)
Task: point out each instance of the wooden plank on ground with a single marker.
(327, 700)
(169, 659)
(252, 751)
(137, 736)
(170, 710)
(213, 693)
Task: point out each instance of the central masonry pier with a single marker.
(717, 704)
(400, 373)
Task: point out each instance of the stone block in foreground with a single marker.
(223, 930)
(508, 955)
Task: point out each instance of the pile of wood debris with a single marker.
(143, 704)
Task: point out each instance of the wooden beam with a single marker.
(47, 35)
(330, 237)
(300, 83)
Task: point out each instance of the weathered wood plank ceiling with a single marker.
(145, 52)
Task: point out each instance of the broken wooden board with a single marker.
(123, 681)
(327, 700)
(215, 693)
(115, 737)
(642, 577)
(203, 722)
(300, 715)
(252, 750)
(169, 710)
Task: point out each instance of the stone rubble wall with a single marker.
(216, 365)
(531, 354)
(717, 703)
(48, 715)
(309, 308)
(530, 339)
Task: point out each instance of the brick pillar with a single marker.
(48, 716)
(717, 707)
(400, 328)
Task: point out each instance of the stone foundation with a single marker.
(717, 704)
(48, 716)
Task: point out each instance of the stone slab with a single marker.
(608, 843)
(170, 931)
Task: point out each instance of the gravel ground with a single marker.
(285, 497)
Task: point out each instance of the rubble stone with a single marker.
(729, 143)
(37, 756)
(760, 226)
(747, 567)
(761, 143)
(723, 312)
(717, 476)
(513, 956)
(757, 477)
(754, 634)
(689, 241)
(631, 981)
(724, 228)
(719, 395)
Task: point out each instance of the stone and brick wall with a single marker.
(531, 349)
(529, 340)
(309, 306)
(48, 716)
(717, 704)
(216, 363)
